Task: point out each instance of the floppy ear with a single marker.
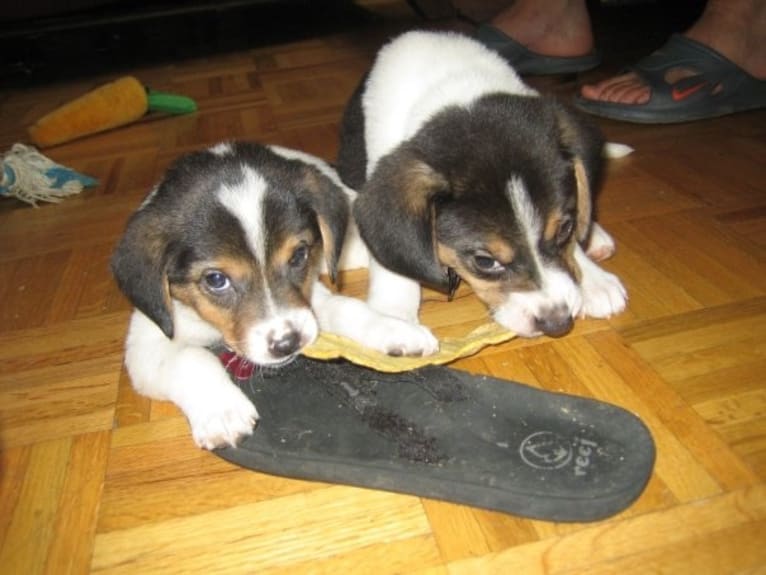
(395, 214)
(582, 141)
(584, 201)
(329, 202)
(139, 265)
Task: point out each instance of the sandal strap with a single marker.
(715, 87)
(710, 66)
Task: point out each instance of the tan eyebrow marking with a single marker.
(288, 246)
(500, 249)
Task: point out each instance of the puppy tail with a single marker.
(615, 151)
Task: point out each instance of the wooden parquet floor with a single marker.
(94, 478)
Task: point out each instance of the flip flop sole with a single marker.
(441, 433)
(637, 114)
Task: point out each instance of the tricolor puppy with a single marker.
(227, 249)
(464, 172)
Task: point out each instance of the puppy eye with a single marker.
(217, 281)
(566, 227)
(487, 263)
(299, 256)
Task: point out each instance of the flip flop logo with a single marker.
(680, 94)
(546, 450)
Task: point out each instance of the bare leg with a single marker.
(552, 28)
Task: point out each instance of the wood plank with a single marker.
(78, 505)
(263, 535)
(609, 540)
(685, 425)
(32, 524)
(735, 550)
(55, 401)
(417, 555)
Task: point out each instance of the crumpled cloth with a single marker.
(331, 346)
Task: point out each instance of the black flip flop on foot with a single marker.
(717, 87)
(441, 433)
(527, 62)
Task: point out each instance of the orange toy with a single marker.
(114, 104)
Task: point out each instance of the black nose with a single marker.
(286, 344)
(555, 325)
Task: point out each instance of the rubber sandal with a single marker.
(719, 88)
(441, 433)
(524, 61)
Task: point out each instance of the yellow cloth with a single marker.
(331, 346)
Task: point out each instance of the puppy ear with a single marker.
(581, 140)
(139, 267)
(584, 201)
(395, 214)
(329, 202)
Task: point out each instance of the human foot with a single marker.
(684, 80)
(554, 39)
(735, 30)
(630, 88)
(555, 28)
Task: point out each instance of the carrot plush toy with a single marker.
(117, 103)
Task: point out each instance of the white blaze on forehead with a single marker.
(526, 216)
(245, 201)
(557, 289)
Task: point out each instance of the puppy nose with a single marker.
(285, 344)
(555, 325)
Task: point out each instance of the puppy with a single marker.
(465, 172)
(227, 249)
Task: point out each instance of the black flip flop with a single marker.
(441, 433)
(527, 62)
(719, 87)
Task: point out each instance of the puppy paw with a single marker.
(223, 418)
(398, 337)
(603, 294)
(600, 245)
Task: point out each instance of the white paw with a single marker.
(603, 294)
(600, 244)
(222, 418)
(398, 337)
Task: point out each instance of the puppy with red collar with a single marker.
(464, 172)
(227, 250)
